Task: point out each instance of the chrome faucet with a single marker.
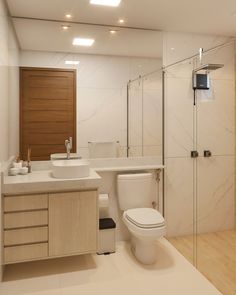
(68, 144)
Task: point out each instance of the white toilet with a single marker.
(144, 223)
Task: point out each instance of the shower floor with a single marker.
(216, 257)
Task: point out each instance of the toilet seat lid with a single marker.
(145, 217)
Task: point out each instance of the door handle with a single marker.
(207, 154)
(194, 154)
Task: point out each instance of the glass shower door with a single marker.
(200, 166)
(215, 204)
(135, 118)
(180, 167)
(145, 116)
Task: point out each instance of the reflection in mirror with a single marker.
(145, 131)
(107, 123)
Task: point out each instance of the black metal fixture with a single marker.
(194, 154)
(207, 154)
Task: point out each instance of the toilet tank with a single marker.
(134, 190)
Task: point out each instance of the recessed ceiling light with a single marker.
(121, 21)
(172, 48)
(68, 15)
(65, 27)
(113, 31)
(113, 3)
(83, 42)
(72, 62)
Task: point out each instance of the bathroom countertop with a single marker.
(43, 181)
(128, 168)
(126, 164)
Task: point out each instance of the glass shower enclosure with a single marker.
(200, 164)
(145, 116)
(193, 134)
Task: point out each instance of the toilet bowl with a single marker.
(144, 223)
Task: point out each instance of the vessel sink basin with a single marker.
(70, 169)
(73, 156)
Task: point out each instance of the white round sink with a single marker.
(73, 156)
(70, 169)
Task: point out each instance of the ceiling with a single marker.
(48, 36)
(202, 16)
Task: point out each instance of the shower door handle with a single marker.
(194, 154)
(207, 154)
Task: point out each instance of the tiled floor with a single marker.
(216, 257)
(115, 274)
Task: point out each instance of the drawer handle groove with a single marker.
(25, 211)
(25, 244)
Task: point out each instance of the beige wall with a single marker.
(8, 84)
(8, 93)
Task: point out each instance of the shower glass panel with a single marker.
(145, 116)
(200, 191)
(135, 118)
(180, 167)
(215, 203)
(152, 114)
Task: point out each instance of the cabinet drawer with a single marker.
(25, 236)
(26, 202)
(25, 219)
(26, 252)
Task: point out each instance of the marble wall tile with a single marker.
(181, 70)
(224, 55)
(3, 82)
(13, 91)
(178, 117)
(152, 115)
(103, 72)
(152, 150)
(142, 66)
(178, 46)
(215, 119)
(135, 112)
(8, 84)
(145, 113)
(213, 130)
(101, 115)
(4, 112)
(215, 194)
(179, 202)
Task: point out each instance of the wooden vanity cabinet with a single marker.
(49, 225)
(73, 223)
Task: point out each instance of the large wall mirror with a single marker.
(118, 85)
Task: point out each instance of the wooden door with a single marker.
(73, 223)
(47, 111)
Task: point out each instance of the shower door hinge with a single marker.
(194, 154)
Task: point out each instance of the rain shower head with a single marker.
(209, 67)
(202, 81)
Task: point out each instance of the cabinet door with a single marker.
(73, 223)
